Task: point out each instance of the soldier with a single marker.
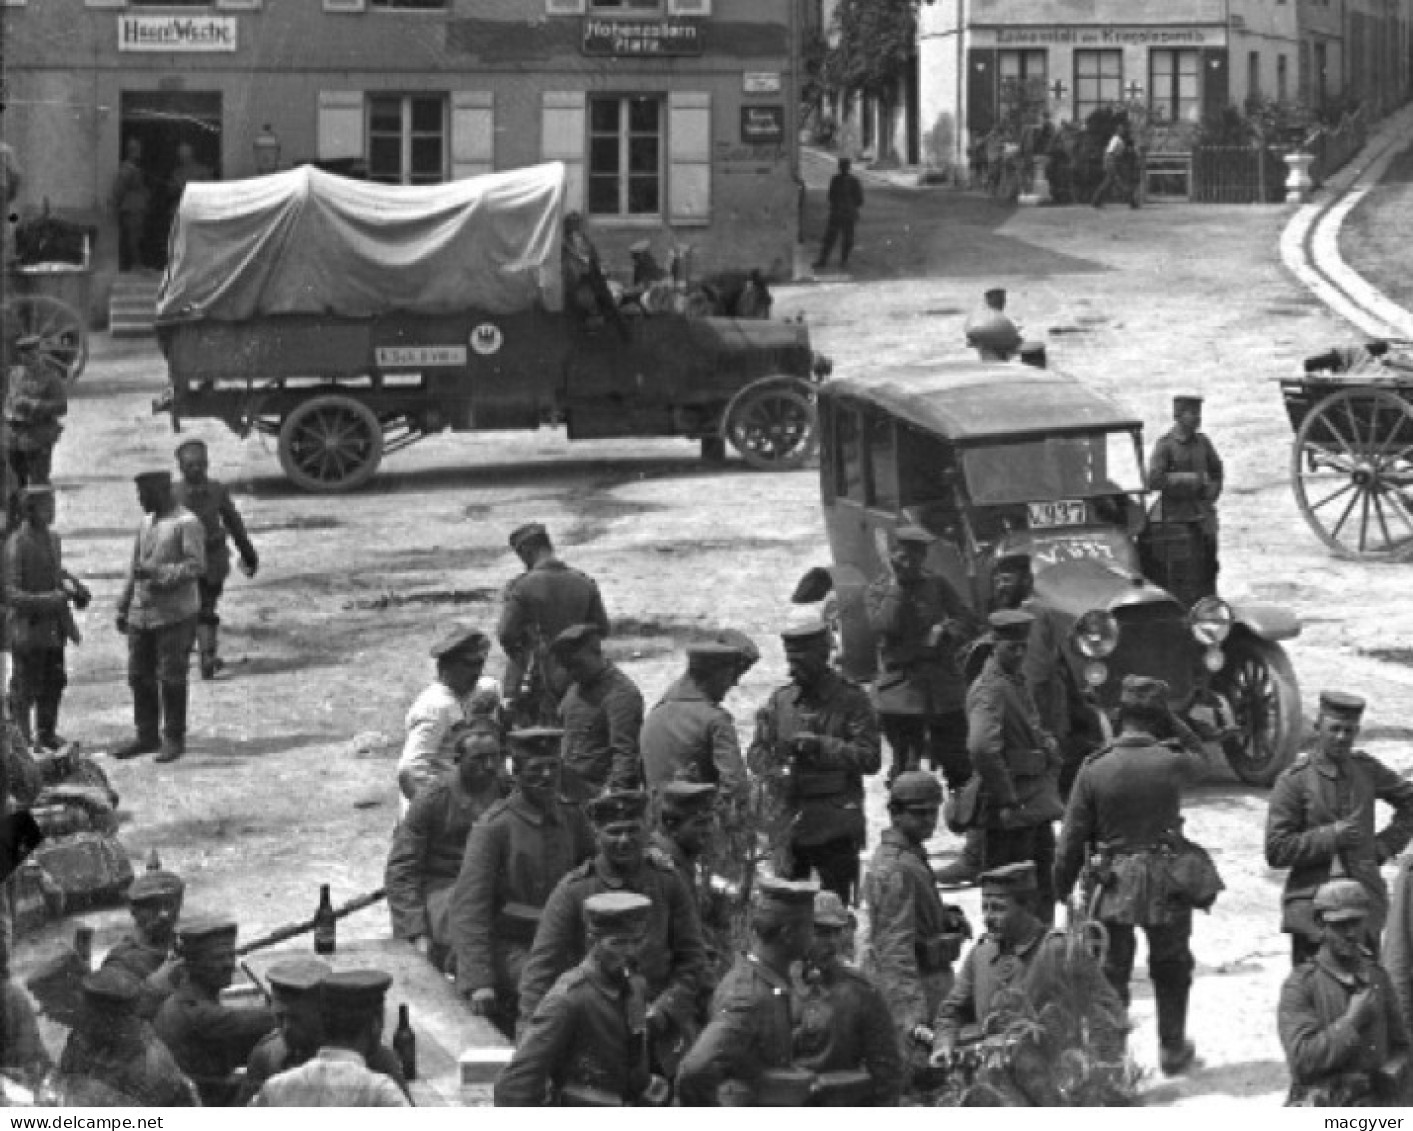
(430, 842)
(1126, 807)
(539, 605)
(673, 958)
(816, 737)
(113, 1048)
(603, 717)
(1344, 1038)
(1017, 760)
(515, 856)
(209, 1040)
(1320, 823)
(921, 623)
(34, 402)
(433, 720)
(845, 1034)
(913, 937)
(690, 734)
(157, 613)
(295, 998)
(211, 502)
(155, 899)
(686, 822)
(990, 330)
(751, 1030)
(339, 1074)
(1187, 471)
(586, 1045)
(39, 591)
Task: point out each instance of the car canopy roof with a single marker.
(966, 400)
(310, 242)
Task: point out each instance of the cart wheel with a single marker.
(774, 427)
(1352, 469)
(63, 336)
(1260, 685)
(331, 443)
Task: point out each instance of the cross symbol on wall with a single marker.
(1134, 90)
(1058, 90)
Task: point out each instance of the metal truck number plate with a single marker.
(1063, 512)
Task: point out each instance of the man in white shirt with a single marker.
(433, 720)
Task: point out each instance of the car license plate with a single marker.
(1065, 512)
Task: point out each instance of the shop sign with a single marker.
(638, 38)
(176, 33)
(1101, 35)
(761, 82)
(762, 125)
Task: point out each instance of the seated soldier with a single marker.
(338, 1075)
(155, 899)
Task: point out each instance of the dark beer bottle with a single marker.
(325, 926)
(83, 946)
(404, 1043)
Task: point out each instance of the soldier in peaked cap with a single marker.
(147, 953)
(745, 648)
(211, 502)
(921, 625)
(685, 826)
(815, 739)
(602, 713)
(340, 1073)
(540, 604)
(689, 734)
(443, 707)
(1320, 823)
(1188, 474)
(1126, 809)
(36, 401)
(515, 856)
(587, 1044)
(1344, 1037)
(209, 1040)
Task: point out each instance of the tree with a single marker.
(875, 42)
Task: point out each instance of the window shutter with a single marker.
(343, 5)
(562, 129)
(564, 7)
(473, 136)
(689, 7)
(689, 156)
(340, 124)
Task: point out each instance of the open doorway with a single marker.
(179, 134)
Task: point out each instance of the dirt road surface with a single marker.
(289, 778)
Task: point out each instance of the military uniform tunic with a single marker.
(211, 503)
(751, 1029)
(142, 1071)
(916, 678)
(142, 962)
(1189, 474)
(688, 735)
(540, 604)
(844, 1026)
(210, 1040)
(603, 722)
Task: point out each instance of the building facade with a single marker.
(672, 114)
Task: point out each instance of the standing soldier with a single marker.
(515, 856)
(34, 402)
(815, 738)
(1344, 1037)
(921, 623)
(147, 953)
(1126, 807)
(1187, 471)
(990, 330)
(211, 502)
(689, 734)
(436, 718)
(1017, 761)
(157, 612)
(603, 717)
(686, 822)
(913, 937)
(1320, 823)
(540, 604)
(586, 1046)
(751, 1031)
(845, 201)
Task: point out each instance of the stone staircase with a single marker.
(132, 304)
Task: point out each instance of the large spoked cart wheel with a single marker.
(331, 443)
(774, 424)
(63, 337)
(1352, 470)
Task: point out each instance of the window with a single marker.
(625, 156)
(1282, 79)
(407, 139)
(1174, 85)
(1098, 81)
(848, 445)
(883, 464)
(409, 5)
(1023, 78)
(621, 6)
(1253, 75)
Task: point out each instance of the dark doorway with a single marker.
(912, 112)
(163, 122)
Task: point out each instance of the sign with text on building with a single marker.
(1090, 36)
(631, 38)
(760, 82)
(762, 125)
(176, 33)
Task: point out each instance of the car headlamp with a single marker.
(1095, 673)
(1214, 659)
(1211, 621)
(1096, 634)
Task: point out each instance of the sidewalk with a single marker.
(903, 177)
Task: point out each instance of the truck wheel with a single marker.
(330, 443)
(1259, 683)
(775, 428)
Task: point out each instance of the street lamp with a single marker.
(267, 150)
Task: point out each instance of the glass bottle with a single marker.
(404, 1043)
(325, 926)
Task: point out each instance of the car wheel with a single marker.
(1259, 683)
(774, 427)
(331, 443)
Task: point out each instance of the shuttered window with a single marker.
(689, 156)
(473, 139)
(340, 125)
(562, 137)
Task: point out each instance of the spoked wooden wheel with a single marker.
(63, 337)
(775, 427)
(1352, 469)
(331, 443)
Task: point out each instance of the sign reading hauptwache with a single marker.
(176, 33)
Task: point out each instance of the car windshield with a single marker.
(1058, 467)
